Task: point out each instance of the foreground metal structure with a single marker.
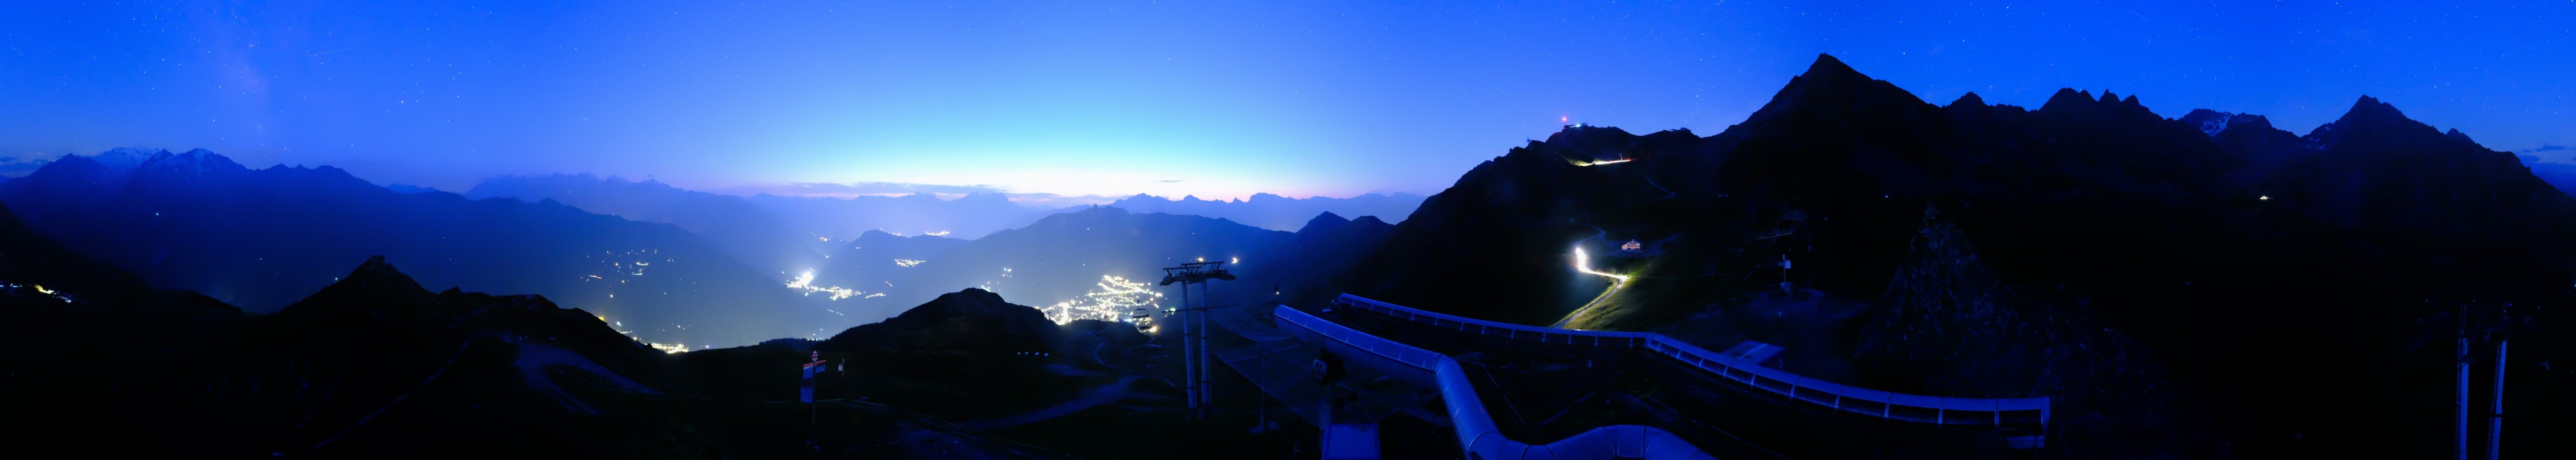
(1881, 404)
(1477, 433)
(1479, 436)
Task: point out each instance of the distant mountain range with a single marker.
(1277, 212)
(779, 231)
(1057, 259)
(2201, 286)
(758, 219)
(756, 236)
(966, 217)
(375, 366)
(263, 238)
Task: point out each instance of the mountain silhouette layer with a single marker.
(263, 238)
(2199, 286)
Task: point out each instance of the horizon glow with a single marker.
(1112, 99)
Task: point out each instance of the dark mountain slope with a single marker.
(746, 231)
(2092, 250)
(1297, 270)
(375, 366)
(966, 354)
(2375, 171)
(1500, 239)
(263, 238)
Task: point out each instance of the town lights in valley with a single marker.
(1112, 301)
(805, 282)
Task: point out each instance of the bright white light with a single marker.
(2264, 197)
(1234, 260)
(1583, 263)
(1602, 162)
(805, 282)
(937, 233)
(908, 262)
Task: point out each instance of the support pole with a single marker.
(2460, 392)
(1207, 392)
(1189, 361)
(2495, 409)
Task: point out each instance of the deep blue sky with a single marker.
(1113, 98)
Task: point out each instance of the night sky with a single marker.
(1218, 100)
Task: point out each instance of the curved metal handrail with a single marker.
(1477, 433)
(1883, 404)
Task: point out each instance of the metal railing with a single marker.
(1883, 404)
(1477, 433)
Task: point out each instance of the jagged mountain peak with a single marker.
(2214, 122)
(1968, 100)
(2371, 109)
(193, 163)
(2379, 122)
(373, 284)
(1826, 66)
(375, 273)
(2067, 97)
(2073, 102)
(1323, 222)
(125, 157)
(1831, 87)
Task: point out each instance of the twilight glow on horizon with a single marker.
(1167, 98)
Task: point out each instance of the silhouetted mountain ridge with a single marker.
(1057, 259)
(1275, 212)
(264, 238)
(2179, 288)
